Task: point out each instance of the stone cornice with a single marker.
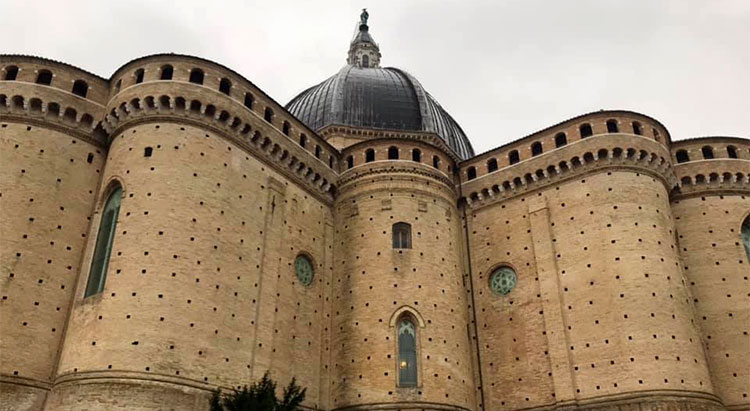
(59, 127)
(242, 128)
(369, 133)
(392, 167)
(712, 177)
(592, 155)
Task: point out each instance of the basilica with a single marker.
(171, 230)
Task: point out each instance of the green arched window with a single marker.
(98, 273)
(407, 353)
(746, 236)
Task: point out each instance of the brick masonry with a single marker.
(632, 285)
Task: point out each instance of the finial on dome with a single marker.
(363, 51)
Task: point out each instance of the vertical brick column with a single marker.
(324, 387)
(549, 287)
(273, 233)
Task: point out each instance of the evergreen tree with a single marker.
(261, 396)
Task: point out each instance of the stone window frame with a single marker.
(419, 325)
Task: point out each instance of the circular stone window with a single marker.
(503, 280)
(304, 269)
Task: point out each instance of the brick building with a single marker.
(172, 229)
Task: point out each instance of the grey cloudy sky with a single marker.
(503, 69)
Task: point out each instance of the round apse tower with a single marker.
(52, 153)
(400, 310)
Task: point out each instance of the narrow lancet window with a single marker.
(407, 352)
(746, 237)
(401, 235)
(104, 240)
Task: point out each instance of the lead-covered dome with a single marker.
(362, 94)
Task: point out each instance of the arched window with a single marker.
(196, 76)
(100, 262)
(471, 173)
(513, 157)
(656, 134)
(491, 165)
(401, 235)
(637, 128)
(392, 153)
(586, 130)
(708, 152)
(302, 140)
(249, 100)
(407, 351)
(682, 156)
(732, 151)
(167, 72)
(416, 155)
(118, 85)
(350, 162)
(436, 161)
(560, 139)
(11, 72)
(44, 77)
(369, 155)
(318, 150)
(80, 88)
(225, 86)
(536, 149)
(139, 76)
(746, 236)
(285, 127)
(612, 126)
(365, 61)
(268, 115)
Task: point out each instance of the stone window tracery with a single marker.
(303, 269)
(407, 352)
(503, 280)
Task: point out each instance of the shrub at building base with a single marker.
(261, 396)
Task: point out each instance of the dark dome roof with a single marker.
(386, 98)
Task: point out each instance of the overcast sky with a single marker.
(503, 69)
